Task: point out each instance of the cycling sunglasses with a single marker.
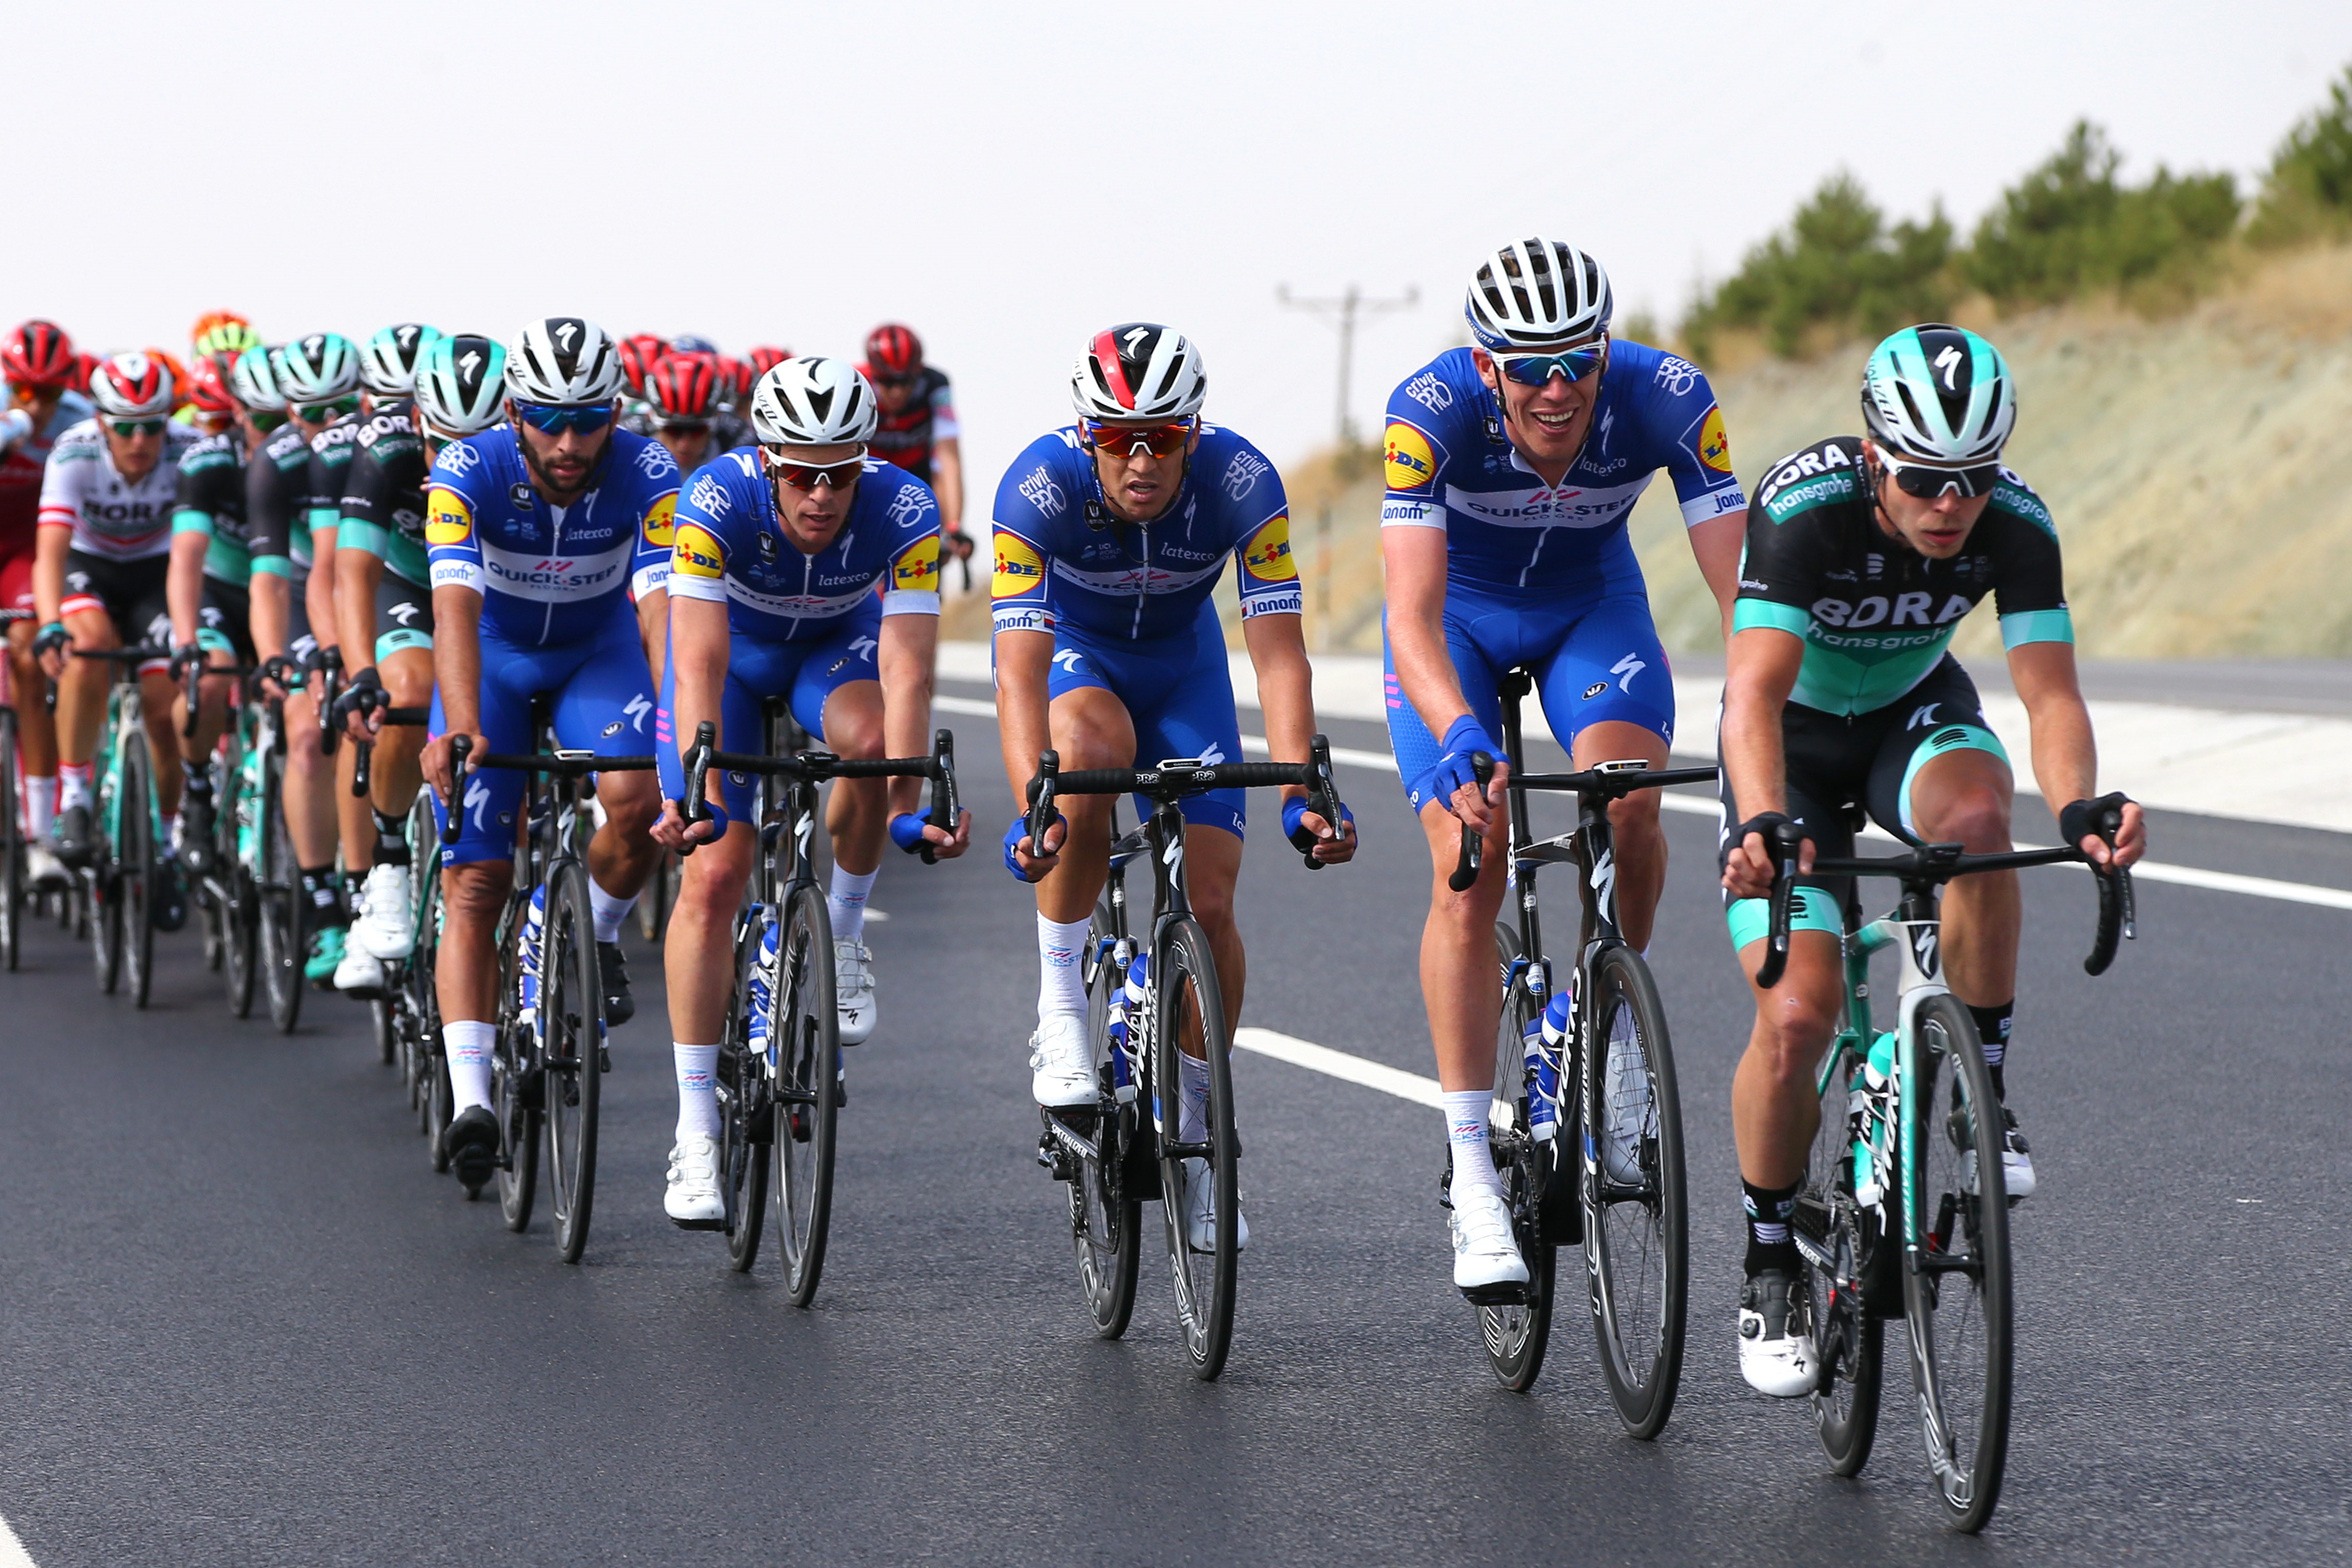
(1121, 440)
(325, 413)
(554, 419)
(1538, 369)
(1923, 482)
(266, 419)
(128, 427)
(807, 476)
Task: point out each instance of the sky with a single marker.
(1010, 178)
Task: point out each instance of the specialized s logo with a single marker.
(1714, 446)
(1411, 464)
(447, 519)
(1268, 559)
(697, 554)
(918, 570)
(1019, 568)
(661, 522)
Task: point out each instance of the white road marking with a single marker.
(12, 1550)
(1340, 1065)
(1698, 805)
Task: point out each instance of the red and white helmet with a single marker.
(1140, 371)
(39, 356)
(133, 386)
(683, 388)
(893, 353)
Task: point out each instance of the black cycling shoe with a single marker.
(198, 822)
(167, 898)
(70, 836)
(619, 1005)
(471, 1146)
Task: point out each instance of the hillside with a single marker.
(2198, 465)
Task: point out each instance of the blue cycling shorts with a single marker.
(604, 702)
(808, 673)
(1179, 694)
(1596, 659)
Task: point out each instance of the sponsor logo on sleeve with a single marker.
(918, 568)
(1019, 569)
(697, 554)
(1714, 446)
(661, 520)
(1040, 491)
(911, 502)
(447, 519)
(457, 459)
(654, 460)
(1430, 391)
(1243, 473)
(1267, 559)
(709, 497)
(1676, 375)
(1412, 466)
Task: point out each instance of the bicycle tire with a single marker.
(659, 897)
(284, 911)
(1184, 977)
(1956, 1123)
(515, 1085)
(1516, 1334)
(241, 908)
(422, 1014)
(747, 1109)
(104, 890)
(12, 847)
(571, 1055)
(139, 864)
(1105, 1221)
(1840, 1310)
(1638, 1272)
(807, 1090)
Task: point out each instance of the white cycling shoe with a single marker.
(1776, 1352)
(359, 972)
(1062, 1062)
(693, 1202)
(1200, 1211)
(1486, 1253)
(853, 990)
(43, 869)
(386, 925)
(1627, 1090)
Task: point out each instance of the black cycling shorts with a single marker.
(403, 616)
(130, 593)
(227, 619)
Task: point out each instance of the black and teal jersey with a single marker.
(332, 450)
(1875, 614)
(383, 507)
(211, 501)
(277, 503)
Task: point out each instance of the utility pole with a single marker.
(1343, 311)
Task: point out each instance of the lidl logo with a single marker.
(919, 567)
(1714, 446)
(447, 519)
(1268, 557)
(1019, 568)
(1411, 464)
(697, 554)
(660, 520)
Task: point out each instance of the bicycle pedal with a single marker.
(1508, 1293)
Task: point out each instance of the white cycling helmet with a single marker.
(1140, 371)
(1538, 293)
(564, 360)
(1940, 395)
(253, 381)
(388, 361)
(319, 368)
(813, 402)
(133, 386)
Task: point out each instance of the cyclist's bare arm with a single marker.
(947, 484)
(319, 592)
(652, 626)
(1416, 560)
(456, 675)
(183, 584)
(357, 573)
(1023, 660)
(2065, 753)
(50, 546)
(1716, 545)
(1285, 690)
(698, 647)
(1763, 671)
(908, 657)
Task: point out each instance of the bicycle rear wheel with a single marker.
(1958, 1301)
(135, 866)
(747, 1106)
(12, 847)
(1845, 1254)
(284, 911)
(517, 1086)
(1636, 1235)
(1191, 1006)
(808, 1089)
(421, 1039)
(1106, 1218)
(571, 1054)
(1516, 1334)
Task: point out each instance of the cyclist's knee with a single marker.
(1977, 817)
(409, 685)
(475, 890)
(854, 729)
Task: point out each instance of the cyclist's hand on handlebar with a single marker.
(361, 703)
(674, 832)
(909, 832)
(1310, 834)
(958, 543)
(2080, 823)
(1455, 782)
(183, 656)
(1749, 861)
(437, 761)
(1018, 857)
(51, 646)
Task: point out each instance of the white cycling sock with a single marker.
(171, 844)
(1192, 1102)
(469, 1044)
(73, 786)
(698, 1089)
(844, 902)
(1466, 1136)
(606, 912)
(1061, 980)
(40, 805)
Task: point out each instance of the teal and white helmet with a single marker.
(1940, 395)
(388, 361)
(461, 385)
(253, 382)
(319, 368)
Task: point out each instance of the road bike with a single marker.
(256, 894)
(551, 1058)
(15, 901)
(392, 1008)
(1586, 1124)
(128, 840)
(1904, 1210)
(1150, 996)
(781, 1080)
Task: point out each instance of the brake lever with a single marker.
(693, 808)
(452, 811)
(1474, 843)
(944, 806)
(1041, 799)
(1322, 794)
(1785, 849)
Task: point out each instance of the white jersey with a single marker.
(110, 517)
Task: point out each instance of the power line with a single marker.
(1343, 312)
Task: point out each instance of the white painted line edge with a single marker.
(12, 1550)
(1697, 805)
(1340, 1065)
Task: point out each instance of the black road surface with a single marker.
(241, 1322)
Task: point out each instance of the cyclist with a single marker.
(537, 531)
(779, 551)
(682, 411)
(98, 581)
(918, 432)
(212, 407)
(210, 586)
(1510, 469)
(1866, 554)
(1109, 536)
(384, 596)
(39, 363)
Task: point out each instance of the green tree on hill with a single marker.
(2308, 191)
(1837, 265)
(2070, 227)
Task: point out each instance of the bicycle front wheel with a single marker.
(1516, 1334)
(807, 1041)
(571, 1054)
(1106, 1218)
(1191, 1012)
(1845, 1258)
(135, 866)
(747, 1104)
(1957, 1299)
(12, 847)
(1636, 1235)
(284, 910)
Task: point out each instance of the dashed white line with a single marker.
(1340, 1065)
(12, 1550)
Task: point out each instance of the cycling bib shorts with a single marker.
(403, 616)
(129, 593)
(1179, 694)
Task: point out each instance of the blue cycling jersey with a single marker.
(732, 549)
(1062, 556)
(548, 574)
(1451, 467)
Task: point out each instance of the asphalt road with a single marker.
(242, 1322)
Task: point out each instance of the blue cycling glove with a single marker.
(1294, 812)
(716, 816)
(1013, 838)
(1464, 736)
(906, 832)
